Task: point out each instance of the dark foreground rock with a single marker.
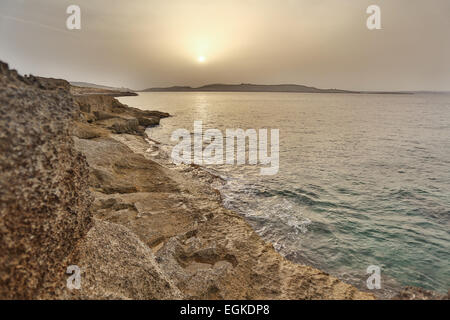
(117, 265)
(44, 192)
(46, 220)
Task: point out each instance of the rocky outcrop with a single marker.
(45, 200)
(116, 169)
(85, 89)
(46, 214)
(107, 112)
(87, 131)
(117, 265)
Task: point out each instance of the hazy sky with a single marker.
(146, 43)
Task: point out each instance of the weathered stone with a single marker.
(148, 122)
(45, 200)
(45, 208)
(130, 126)
(115, 116)
(116, 264)
(85, 131)
(100, 115)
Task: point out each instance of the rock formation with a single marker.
(44, 191)
(46, 220)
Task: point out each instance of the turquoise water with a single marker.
(363, 180)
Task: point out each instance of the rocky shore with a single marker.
(78, 186)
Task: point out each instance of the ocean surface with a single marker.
(363, 179)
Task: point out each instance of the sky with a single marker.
(151, 43)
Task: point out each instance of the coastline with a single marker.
(137, 229)
(207, 251)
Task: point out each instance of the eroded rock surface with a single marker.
(117, 265)
(45, 203)
(45, 199)
(108, 113)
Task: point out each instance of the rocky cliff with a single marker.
(46, 220)
(44, 191)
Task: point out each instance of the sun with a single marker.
(201, 59)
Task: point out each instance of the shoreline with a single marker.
(136, 229)
(391, 288)
(209, 252)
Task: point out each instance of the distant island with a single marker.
(247, 87)
(91, 88)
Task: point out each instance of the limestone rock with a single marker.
(414, 293)
(100, 115)
(130, 126)
(115, 264)
(45, 201)
(86, 131)
(116, 116)
(148, 122)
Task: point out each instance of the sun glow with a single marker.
(201, 59)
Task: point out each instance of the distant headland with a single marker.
(91, 88)
(248, 87)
